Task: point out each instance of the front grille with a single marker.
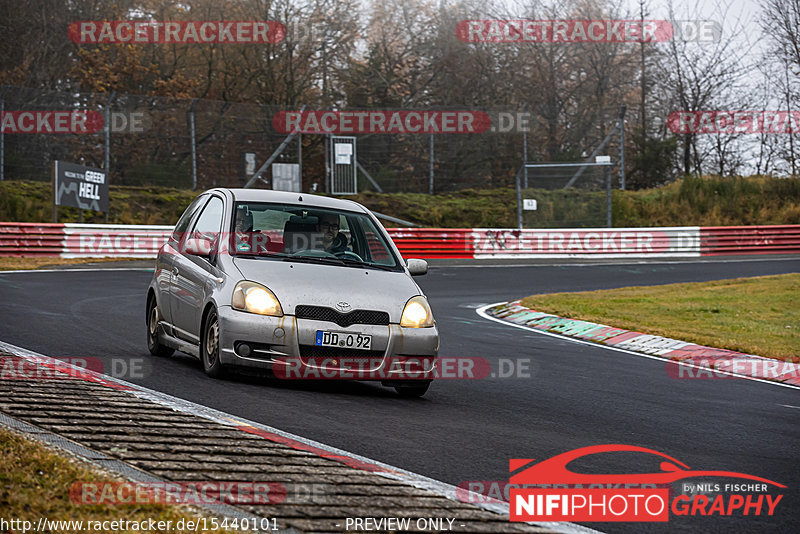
(321, 313)
(308, 352)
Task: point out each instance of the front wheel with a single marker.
(153, 344)
(209, 346)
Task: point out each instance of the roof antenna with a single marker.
(300, 198)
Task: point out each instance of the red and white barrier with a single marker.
(139, 241)
(680, 242)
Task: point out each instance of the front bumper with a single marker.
(286, 346)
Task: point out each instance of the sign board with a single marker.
(286, 177)
(343, 176)
(343, 152)
(602, 159)
(81, 187)
(249, 164)
(529, 204)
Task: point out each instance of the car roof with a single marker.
(300, 199)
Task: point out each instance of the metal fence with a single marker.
(198, 144)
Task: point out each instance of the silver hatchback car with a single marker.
(306, 286)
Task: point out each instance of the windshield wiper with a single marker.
(313, 259)
(347, 262)
(263, 255)
(357, 263)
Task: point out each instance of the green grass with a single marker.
(704, 201)
(754, 315)
(35, 482)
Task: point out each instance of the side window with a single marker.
(210, 221)
(186, 218)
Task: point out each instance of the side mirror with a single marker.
(417, 267)
(198, 246)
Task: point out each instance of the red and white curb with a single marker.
(279, 436)
(684, 359)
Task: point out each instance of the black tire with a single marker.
(153, 343)
(209, 346)
(412, 390)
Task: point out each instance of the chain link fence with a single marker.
(199, 144)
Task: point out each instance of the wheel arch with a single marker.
(151, 295)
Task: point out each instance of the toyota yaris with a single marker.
(302, 285)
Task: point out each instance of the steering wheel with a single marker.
(347, 254)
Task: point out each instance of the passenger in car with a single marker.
(247, 239)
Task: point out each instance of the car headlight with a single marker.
(417, 313)
(255, 298)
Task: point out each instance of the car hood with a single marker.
(327, 285)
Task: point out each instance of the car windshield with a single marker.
(307, 234)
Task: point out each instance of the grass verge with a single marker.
(35, 483)
(30, 263)
(758, 315)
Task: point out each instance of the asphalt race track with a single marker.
(576, 395)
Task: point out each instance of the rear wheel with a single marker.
(153, 344)
(412, 389)
(209, 346)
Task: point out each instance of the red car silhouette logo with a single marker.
(555, 471)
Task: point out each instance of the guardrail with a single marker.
(718, 240)
(139, 241)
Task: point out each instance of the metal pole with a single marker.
(194, 146)
(519, 203)
(55, 191)
(789, 110)
(622, 147)
(430, 171)
(608, 196)
(300, 159)
(108, 141)
(327, 165)
(2, 139)
(525, 156)
(370, 178)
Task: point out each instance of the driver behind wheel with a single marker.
(332, 240)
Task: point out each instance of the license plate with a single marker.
(343, 340)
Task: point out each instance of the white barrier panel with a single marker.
(678, 242)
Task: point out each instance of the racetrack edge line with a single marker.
(482, 313)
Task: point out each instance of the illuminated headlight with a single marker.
(255, 298)
(417, 313)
